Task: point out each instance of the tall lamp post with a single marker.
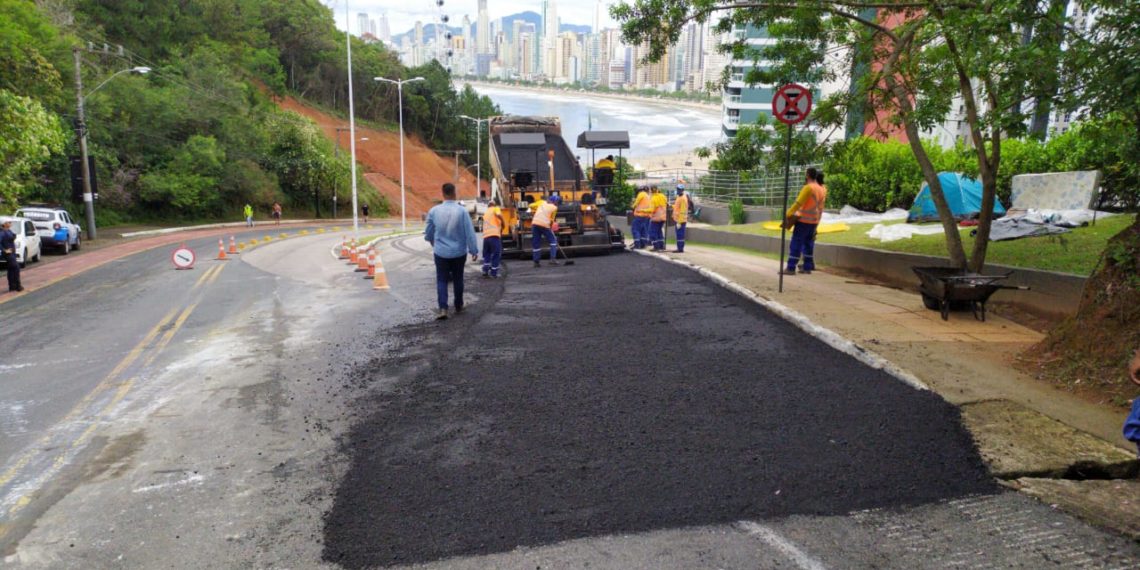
(81, 131)
(478, 150)
(400, 89)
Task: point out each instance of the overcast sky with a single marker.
(402, 14)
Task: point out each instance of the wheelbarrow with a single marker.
(945, 288)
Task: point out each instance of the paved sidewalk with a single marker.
(963, 360)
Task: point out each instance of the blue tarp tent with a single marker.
(963, 194)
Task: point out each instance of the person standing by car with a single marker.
(8, 250)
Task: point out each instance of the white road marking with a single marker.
(193, 479)
(785, 546)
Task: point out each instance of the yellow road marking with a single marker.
(206, 276)
(214, 277)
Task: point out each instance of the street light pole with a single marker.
(81, 132)
(351, 122)
(478, 151)
(400, 94)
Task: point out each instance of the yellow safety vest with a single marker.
(812, 210)
(681, 209)
(545, 214)
(660, 205)
(493, 222)
(642, 205)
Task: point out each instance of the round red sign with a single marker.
(792, 104)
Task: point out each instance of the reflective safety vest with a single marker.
(545, 214)
(812, 210)
(642, 205)
(660, 205)
(493, 222)
(681, 209)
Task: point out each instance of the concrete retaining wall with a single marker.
(1052, 294)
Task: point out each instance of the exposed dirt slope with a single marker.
(425, 171)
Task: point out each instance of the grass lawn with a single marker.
(1075, 252)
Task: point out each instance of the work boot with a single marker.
(806, 271)
(459, 309)
(788, 272)
(537, 264)
(441, 314)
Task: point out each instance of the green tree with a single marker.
(29, 135)
(762, 147)
(189, 181)
(933, 51)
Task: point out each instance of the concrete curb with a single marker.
(165, 231)
(828, 336)
(375, 241)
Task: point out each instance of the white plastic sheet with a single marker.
(894, 232)
(851, 215)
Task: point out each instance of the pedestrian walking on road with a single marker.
(364, 211)
(276, 214)
(492, 239)
(803, 218)
(450, 232)
(642, 210)
(542, 228)
(657, 219)
(681, 216)
(8, 251)
(1132, 422)
(248, 212)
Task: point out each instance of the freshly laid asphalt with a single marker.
(622, 395)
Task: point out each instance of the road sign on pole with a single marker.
(790, 105)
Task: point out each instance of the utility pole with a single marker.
(478, 150)
(81, 132)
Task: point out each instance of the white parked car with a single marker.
(27, 239)
(55, 226)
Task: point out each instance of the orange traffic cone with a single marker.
(233, 246)
(371, 264)
(343, 252)
(352, 253)
(221, 250)
(379, 277)
(362, 260)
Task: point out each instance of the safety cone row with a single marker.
(371, 264)
(342, 251)
(353, 254)
(233, 246)
(221, 251)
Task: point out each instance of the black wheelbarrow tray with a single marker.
(945, 288)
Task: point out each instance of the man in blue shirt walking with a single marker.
(450, 231)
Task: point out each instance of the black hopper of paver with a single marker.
(622, 396)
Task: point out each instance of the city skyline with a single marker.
(403, 16)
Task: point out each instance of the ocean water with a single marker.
(654, 128)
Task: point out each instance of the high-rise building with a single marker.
(742, 104)
(419, 37)
(526, 49)
(384, 30)
(362, 26)
(549, 37)
(483, 35)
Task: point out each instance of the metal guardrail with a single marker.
(753, 188)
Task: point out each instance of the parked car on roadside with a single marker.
(27, 239)
(55, 227)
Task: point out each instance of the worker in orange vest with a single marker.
(540, 228)
(642, 210)
(657, 219)
(681, 216)
(804, 217)
(492, 239)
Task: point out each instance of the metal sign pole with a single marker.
(784, 212)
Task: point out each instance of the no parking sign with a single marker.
(183, 258)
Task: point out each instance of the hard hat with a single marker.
(556, 199)
(681, 186)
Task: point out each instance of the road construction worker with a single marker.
(248, 211)
(493, 225)
(642, 210)
(607, 162)
(657, 219)
(541, 228)
(681, 216)
(804, 217)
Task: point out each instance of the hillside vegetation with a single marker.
(199, 135)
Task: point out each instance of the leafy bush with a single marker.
(618, 199)
(736, 214)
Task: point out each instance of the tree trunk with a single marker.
(954, 247)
